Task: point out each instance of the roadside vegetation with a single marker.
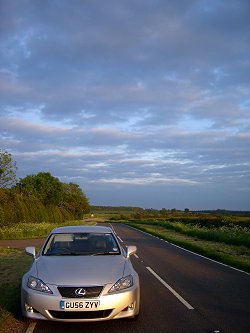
(41, 198)
(13, 264)
(216, 235)
(37, 198)
(34, 230)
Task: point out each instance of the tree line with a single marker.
(40, 197)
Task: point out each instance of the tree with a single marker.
(48, 189)
(7, 170)
(173, 210)
(164, 211)
(75, 200)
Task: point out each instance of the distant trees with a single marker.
(7, 170)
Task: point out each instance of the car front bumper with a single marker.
(123, 304)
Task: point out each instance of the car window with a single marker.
(81, 244)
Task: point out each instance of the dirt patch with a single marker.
(13, 325)
(21, 243)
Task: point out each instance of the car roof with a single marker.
(82, 228)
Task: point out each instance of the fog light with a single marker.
(131, 306)
(28, 308)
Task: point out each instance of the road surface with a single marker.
(180, 293)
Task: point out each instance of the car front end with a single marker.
(54, 306)
(77, 288)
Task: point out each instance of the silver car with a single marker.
(81, 273)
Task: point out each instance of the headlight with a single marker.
(37, 284)
(121, 284)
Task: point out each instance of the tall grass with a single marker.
(231, 234)
(33, 230)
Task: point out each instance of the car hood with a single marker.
(79, 270)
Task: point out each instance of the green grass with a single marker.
(237, 256)
(13, 264)
(34, 230)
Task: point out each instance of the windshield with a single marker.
(81, 244)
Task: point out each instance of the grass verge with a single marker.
(232, 255)
(34, 230)
(13, 264)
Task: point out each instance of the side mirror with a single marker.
(30, 250)
(131, 250)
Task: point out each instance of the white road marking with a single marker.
(181, 299)
(136, 255)
(31, 327)
(116, 233)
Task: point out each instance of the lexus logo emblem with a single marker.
(80, 292)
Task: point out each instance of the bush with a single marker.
(17, 208)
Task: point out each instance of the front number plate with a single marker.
(79, 305)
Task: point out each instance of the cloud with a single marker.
(130, 95)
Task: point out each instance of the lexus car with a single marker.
(81, 273)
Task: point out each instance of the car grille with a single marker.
(90, 292)
(80, 314)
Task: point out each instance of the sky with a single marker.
(140, 102)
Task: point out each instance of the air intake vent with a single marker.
(85, 292)
(80, 314)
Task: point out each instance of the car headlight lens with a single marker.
(37, 284)
(121, 284)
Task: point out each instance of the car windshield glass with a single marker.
(81, 244)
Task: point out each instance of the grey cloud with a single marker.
(123, 95)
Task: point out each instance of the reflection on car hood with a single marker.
(80, 270)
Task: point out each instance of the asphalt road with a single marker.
(180, 293)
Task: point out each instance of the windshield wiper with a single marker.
(66, 254)
(82, 254)
(104, 253)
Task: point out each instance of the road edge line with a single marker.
(178, 296)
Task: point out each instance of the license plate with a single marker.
(79, 305)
